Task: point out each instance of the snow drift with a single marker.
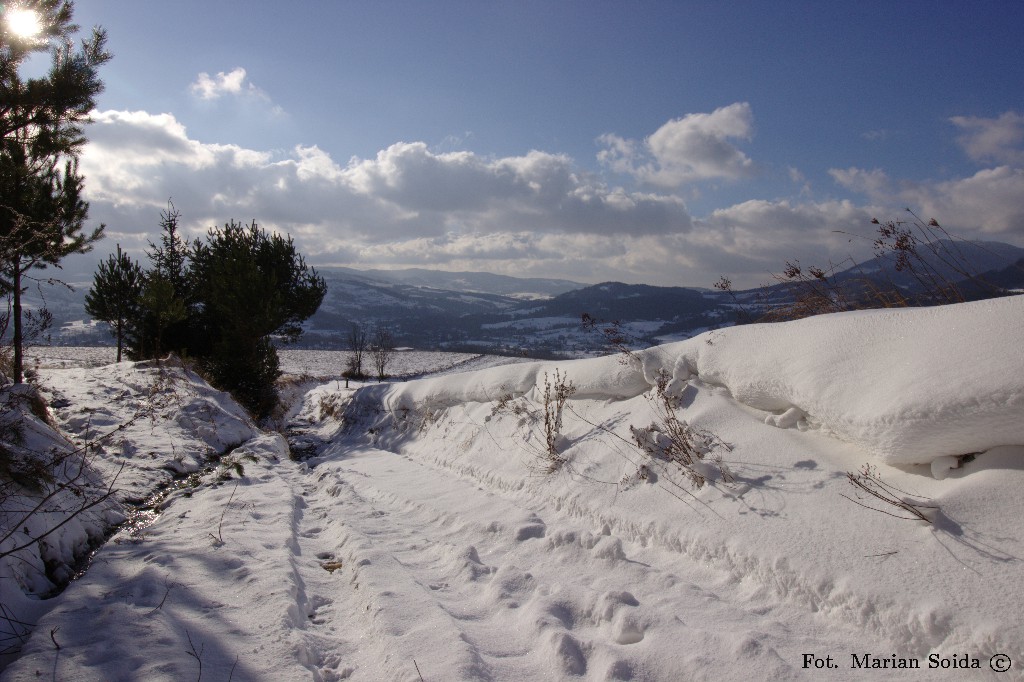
(910, 385)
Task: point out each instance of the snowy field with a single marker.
(49, 357)
(462, 527)
(317, 364)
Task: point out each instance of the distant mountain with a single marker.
(417, 315)
(976, 269)
(618, 301)
(541, 317)
(1011, 277)
(468, 282)
(427, 317)
(948, 259)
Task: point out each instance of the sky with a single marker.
(665, 143)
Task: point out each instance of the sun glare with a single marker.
(23, 23)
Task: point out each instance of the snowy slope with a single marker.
(134, 426)
(435, 535)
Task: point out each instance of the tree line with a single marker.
(220, 301)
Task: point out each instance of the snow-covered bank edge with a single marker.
(908, 385)
(83, 451)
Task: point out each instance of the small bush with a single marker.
(870, 488)
(672, 439)
(617, 339)
(908, 250)
(556, 393)
(382, 350)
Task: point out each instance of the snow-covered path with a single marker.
(435, 534)
(499, 590)
(373, 565)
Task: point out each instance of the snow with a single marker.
(534, 323)
(909, 385)
(432, 533)
(325, 364)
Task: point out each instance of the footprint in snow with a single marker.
(531, 530)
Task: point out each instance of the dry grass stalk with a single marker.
(555, 396)
(673, 439)
(869, 482)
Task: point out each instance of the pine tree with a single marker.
(167, 301)
(116, 295)
(170, 258)
(248, 286)
(41, 219)
(160, 310)
(42, 213)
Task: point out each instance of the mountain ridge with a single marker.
(485, 312)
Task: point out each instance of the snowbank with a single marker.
(73, 452)
(908, 385)
(157, 419)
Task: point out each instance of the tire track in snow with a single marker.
(365, 589)
(442, 574)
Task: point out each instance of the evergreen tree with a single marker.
(165, 324)
(248, 286)
(42, 213)
(161, 309)
(170, 258)
(223, 301)
(116, 295)
(40, 223)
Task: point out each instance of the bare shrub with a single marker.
(358, 343)
(869, 486)
(616, 338)
(331, 406)
(674, 440)
(508, 403)
(909, 242)
(556, 393)
(382, 350)
(218, 539)
(923, 252)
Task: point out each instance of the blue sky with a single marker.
(665, 143)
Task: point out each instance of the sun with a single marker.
(24, 23)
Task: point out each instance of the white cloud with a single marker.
(214, 87)
(870, 182)
(538, 191)
(985, 205)
(234, 83)
(135, 161)
(689, 149)
(876, 135)
(996, 140)
(535, 214)
(750, 240)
